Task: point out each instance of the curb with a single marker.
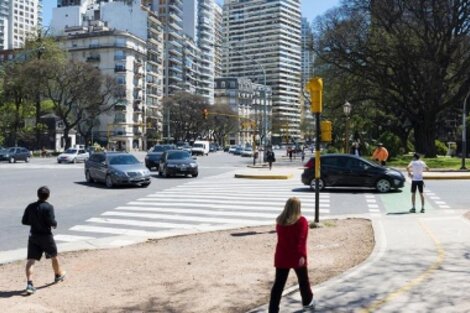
(449, 177)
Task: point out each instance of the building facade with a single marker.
(307, 118)
(132, 52)
(265, 36)
(247, 99)
(19, 19)
(218, 39)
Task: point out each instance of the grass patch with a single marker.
(452, 163)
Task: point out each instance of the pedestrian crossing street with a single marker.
(216, 202)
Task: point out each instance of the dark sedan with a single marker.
(116, 168)
(152, 159)
(344, 170)
(177, 162)
(14, 154)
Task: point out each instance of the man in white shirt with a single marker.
(415, 172)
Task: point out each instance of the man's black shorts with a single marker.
(37, 245)
(417, 184)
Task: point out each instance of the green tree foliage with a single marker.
(79, 92)
(410, 59)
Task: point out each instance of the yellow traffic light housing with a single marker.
(325, 131)
(315, 88)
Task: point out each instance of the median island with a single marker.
(224, 271)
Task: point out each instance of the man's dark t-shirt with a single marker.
(40, 216)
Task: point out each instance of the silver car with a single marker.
(116, 168)
(73, 155)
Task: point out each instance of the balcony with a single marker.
(120, 106)
(119, 69)
(138, 62)
(138, 99)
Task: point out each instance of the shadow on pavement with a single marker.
(251, 233)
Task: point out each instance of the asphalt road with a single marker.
(213, 198)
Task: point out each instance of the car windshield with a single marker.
(122, 159)
(198, 145)
(180, 155)
(158, 149)
(11, 150)
(70, 151)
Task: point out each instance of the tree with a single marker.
(79, 92)
(223, 121)
(412, 56)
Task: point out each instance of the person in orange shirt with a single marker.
(380, 154)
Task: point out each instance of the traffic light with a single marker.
(325, 131)
(315, 88)
(205, 113)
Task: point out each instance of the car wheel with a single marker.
(27, 160)
(59, 161)
(195, 174)
(88, 177)
(383, 185)
(145, 185)
(12, 160)
(321, 184)
(109, 181)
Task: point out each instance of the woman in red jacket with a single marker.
(291, 252)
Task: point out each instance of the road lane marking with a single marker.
(157, 208)
(374, 306)
(71, 238)
(114, 231)
(214, 206)
(197, 199)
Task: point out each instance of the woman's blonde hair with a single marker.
(291, 212)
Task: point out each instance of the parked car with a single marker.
(116, 168)
(238, 150)
(14, 154)
(232, 149)
(247, 152)
(344, 170)
(186, 147)
(73, 155)
(152, 159)
(177, 162)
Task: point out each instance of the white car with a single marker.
(73, 155)
(247, 152)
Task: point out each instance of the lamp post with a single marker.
(347, 112)
(464, 132)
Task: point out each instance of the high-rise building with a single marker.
(18, 20)
(198, 16)
(170, 13)
(266, 35)
(307, 52)
(218, 39)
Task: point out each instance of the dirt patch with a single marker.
(228, 271)
(467, 215)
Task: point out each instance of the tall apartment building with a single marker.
(218, 39)
(198, 17)
(125, 40)
(18, 20)
(307, 52)
(170, 13)
(268, 32)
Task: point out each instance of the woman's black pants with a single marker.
(280, 282)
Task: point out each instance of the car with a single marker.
(73, 155)
(152, 159)
(116, 168)
(177, 162)
(247, 152)
(213, 147)
(238, 150)
(200, 147)
(186, 147)
(232, 149)
(14, 154)
(345, 170)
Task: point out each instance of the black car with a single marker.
(116, 168)
(177, 162)
(344, 170)
(152, 159)
(14, 154)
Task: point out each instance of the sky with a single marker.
(310, 8)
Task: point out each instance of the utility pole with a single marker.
(464, 132)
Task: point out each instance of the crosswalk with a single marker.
(210, 203)
(220, 202)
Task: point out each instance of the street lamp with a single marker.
(347, 112)
(464, 132)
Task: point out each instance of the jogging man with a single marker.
(40, 216)
(415, 172)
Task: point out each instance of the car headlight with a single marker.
(192, 164)
(119, 173)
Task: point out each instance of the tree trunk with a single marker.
(38, 118)
(66, 138)
(425, 135)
